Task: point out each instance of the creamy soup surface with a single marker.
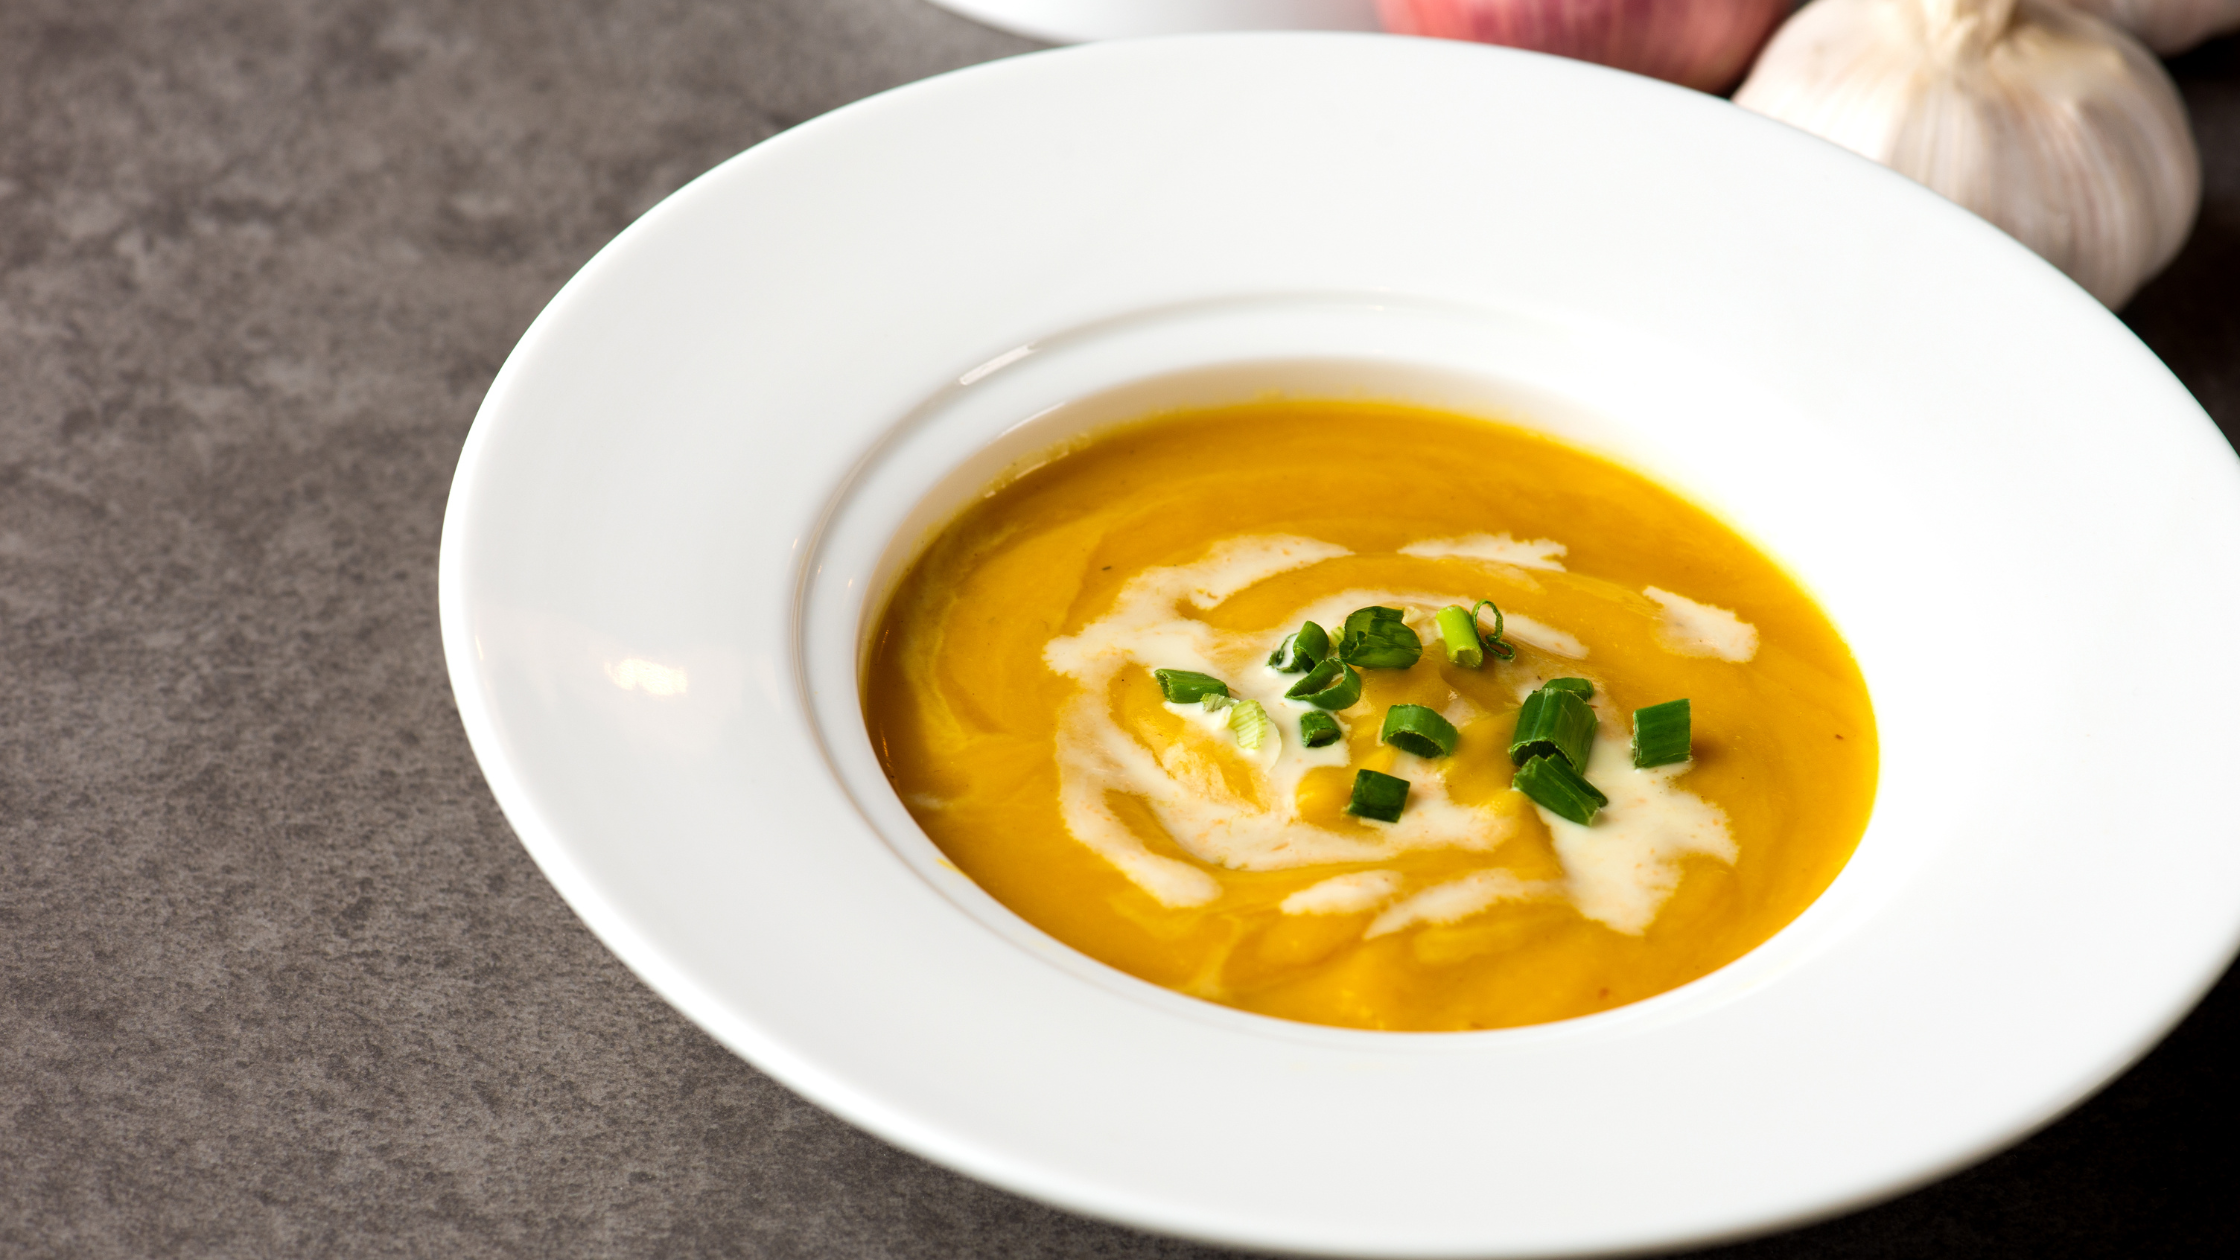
(1009, 690)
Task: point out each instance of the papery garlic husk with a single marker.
(2167, 26)
(1703, 44)
(2053, 125)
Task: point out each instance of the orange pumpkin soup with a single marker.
(1243, 849)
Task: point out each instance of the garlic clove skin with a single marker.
(2051, 124)
(2167, 26)
(1703, 44)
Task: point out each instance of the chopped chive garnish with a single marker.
(1332, 684)
(1318, 729)
(1557, 788)
(1378, 796)
(1183, 686)
(1554, 722)
(1379, 638)
(1459, 631)
(1580, 685)
(1661, 734)
(1249, 723)
(1287, 658)
(1323, 673)
(1300, 650)
(1500, 648)
(1413, 728)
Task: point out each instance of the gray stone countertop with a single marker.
(275, 977)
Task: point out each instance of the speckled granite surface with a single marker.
(275, 978)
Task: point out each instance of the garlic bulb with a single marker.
(1704, 44)
(2167, 26)
(2056, 127)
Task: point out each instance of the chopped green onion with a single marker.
(1379, 638)
(1378, 796)
(1287, 658)
(1318, 729)
(1661, 734)
(1183, 686)
(1413, 728)
(1215, 704)
(1554, 722)
(1332, 684)
(1557, 788)
(1249, 723)
(1300, 650)
(1580, 685)
(1459, 631)
(1501, 648)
